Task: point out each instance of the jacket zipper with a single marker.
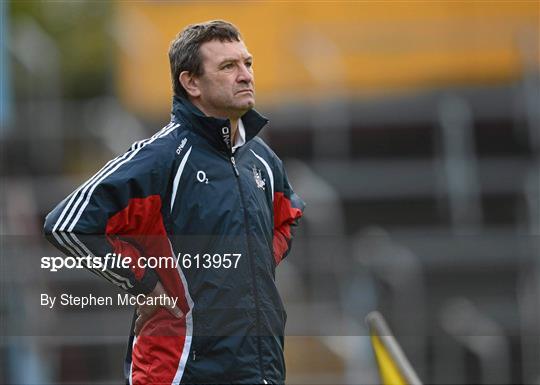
(233, 162)
(252, 267)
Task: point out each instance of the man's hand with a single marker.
(145, 312)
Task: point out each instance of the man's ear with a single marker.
(190, 83)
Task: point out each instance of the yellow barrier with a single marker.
(394, 368)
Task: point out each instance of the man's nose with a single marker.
(245, 74)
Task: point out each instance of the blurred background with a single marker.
(411, 129)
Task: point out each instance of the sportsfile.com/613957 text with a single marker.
(113, 260)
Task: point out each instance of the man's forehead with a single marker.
(217, 51)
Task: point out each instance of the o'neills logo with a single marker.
(181, 146)
(226, 133)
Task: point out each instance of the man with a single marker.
(210, 193)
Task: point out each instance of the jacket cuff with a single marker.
(146, 284)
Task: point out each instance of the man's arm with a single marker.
(288, 209)
(116, 212)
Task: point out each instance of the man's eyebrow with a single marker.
(233, 59)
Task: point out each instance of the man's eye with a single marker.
(249, 64)
(228, 66)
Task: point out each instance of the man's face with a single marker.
(226, 87)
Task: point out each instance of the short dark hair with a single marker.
(184, 51)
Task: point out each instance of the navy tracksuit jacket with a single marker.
(226, 217)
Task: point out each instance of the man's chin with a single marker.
(246, 106)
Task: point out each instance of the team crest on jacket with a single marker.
(259, 180)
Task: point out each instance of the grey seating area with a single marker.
(433, 220)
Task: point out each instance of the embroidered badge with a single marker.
(259, 180)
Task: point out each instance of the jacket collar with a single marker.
(217, 131)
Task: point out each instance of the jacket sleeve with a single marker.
(117, 212)
(288, 209)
